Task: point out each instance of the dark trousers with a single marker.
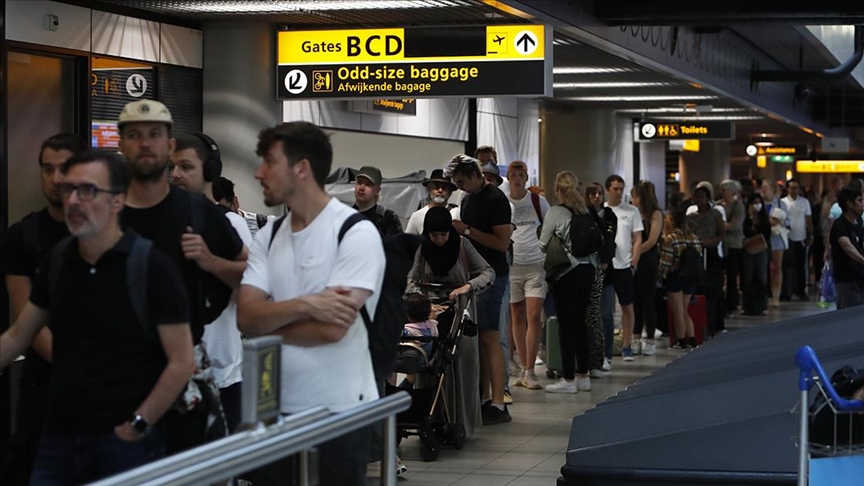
(817, 255)
(19, 458)
(571, 294)
(231, 397)
(795, 270)
(341, 462)
(711, 286)
(733, 260)
(754, 282)
(77, 460)
(644, 304)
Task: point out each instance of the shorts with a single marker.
(622, 281)
(674, 283)
(489, 305)
(527, 281)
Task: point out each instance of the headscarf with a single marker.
(440, 258)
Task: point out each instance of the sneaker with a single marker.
(627, 354)
(515, 369)
(562, 386)
(649, 347)
(400, 467)
(595, 374)
(508, 398)
(492, 415)
(538, 361)
(583, 384)
(516, 381)
(607, 364)
(636, 346)
(530, 381)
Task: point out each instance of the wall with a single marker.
(711, 164)
(87, 30)
(396, 156)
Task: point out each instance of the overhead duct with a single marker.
(824, 75)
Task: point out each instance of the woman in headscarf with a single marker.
(450, 261)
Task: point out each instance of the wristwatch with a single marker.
(467, 231)
(139, 424)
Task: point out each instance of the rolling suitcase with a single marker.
(553, 350)
(698, 310)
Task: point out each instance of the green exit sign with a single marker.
(783, 159)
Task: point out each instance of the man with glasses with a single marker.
(115, 372)
(800, 238)
(24, 248)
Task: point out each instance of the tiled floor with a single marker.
(530, 450)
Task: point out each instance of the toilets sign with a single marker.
(415, 62)
(674, 130)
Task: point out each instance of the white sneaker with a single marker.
(530, 381)
(562, 386)
(515, 369)
(595, 374)
(607, 364)
(583, 384)
(516, 381)
(636, 346)
(649, 347)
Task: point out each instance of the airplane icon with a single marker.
(498, 39)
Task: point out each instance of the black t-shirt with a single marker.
(25, 247)
(167, 221)
(484, 210)
(105, 364)
(385, 220)
(845, 268)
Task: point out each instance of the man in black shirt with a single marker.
(114, 375)
(24, 248)
(211, 257)
(485, 219)
(367, 191)
(847, 249)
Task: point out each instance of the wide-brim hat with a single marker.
(492, 168)
(438, 176)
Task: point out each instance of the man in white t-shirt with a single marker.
(196, 168)
(619, 275)
(527, 277)
(440, 189)
(305, 287)
(800, 238)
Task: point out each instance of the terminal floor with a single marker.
(530, 450)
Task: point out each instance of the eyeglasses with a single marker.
(86, 192)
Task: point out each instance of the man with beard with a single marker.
(209, 255)
(26, 244)
(440, 189)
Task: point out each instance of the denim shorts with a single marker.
(489, 305)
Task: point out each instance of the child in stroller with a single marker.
(422, 324)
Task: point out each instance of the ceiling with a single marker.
(582, 72)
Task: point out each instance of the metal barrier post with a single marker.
(803, 447)
(388, 463)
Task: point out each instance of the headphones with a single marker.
(212, 167)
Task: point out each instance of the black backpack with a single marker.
(385, 330)
(691, 266)
(586, 237)
(849, 427)
(213, 295)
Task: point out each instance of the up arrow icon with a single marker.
(526, 42)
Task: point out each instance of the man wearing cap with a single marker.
(440, 189)
(196, 167)
(484, 218)
(197, 237)
(367, 191)
(527, 277)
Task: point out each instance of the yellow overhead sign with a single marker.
(830, 166)
(412, 44)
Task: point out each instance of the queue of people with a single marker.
(131, 294)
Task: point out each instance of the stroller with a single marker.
(430, 417)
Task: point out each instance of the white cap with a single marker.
(145, 111)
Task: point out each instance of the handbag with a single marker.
(755, 244)
(557, 260)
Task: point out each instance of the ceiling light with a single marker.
(590, 70)
(310, 5)
(681, 109)
(608, 85)
(642, 98)
(710, 118)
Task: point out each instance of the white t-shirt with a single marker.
(798, 211)
(221, 337)
(338, 375)
(526, 246)
(415, 222)
(629, 221)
